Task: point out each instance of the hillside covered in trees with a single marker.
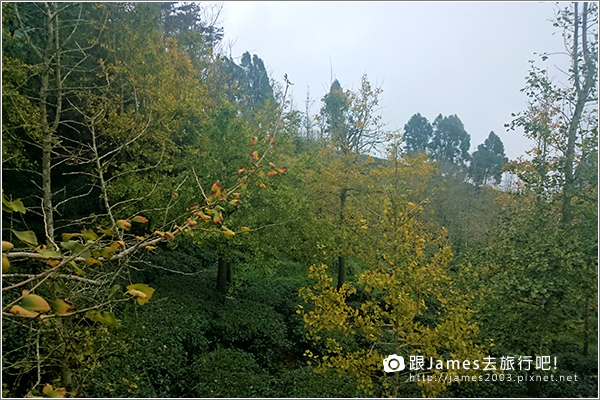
(173, 227)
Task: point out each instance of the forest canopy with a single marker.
(172, 226)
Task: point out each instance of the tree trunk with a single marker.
(51, 64)
(47, 134)
(586, 336)
(341, 256)
(47, 206)
(223, 274)
(583, 94)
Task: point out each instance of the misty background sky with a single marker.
(465, 58)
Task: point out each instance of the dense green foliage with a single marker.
(173, 228)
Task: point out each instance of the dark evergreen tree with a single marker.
(450, 142)
(487, 161)
(180, 19)
(418, 133)
(335, 115)
(248, 82)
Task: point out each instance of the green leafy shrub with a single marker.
(228, 373)
(160, 341)
(304, 382)
(253, 327)
(280, 293)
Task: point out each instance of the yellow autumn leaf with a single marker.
(68, 236)
(142, 291)
(124, 224)
(216, 192)
(142, 298)
(49, 391)
(191, 222)
(63, 306)
(218, 218)
(205, 218)
(18, 310)
(92, 261)
(106, 232)
(169, 236)
(137, 293)
(228, 233)
(33, 302)
(5, 263)
(117, 245)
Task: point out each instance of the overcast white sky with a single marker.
(463, 58)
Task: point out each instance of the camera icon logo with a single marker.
(393, 363)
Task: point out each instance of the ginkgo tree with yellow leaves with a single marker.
(351, 130)
(404, 303)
